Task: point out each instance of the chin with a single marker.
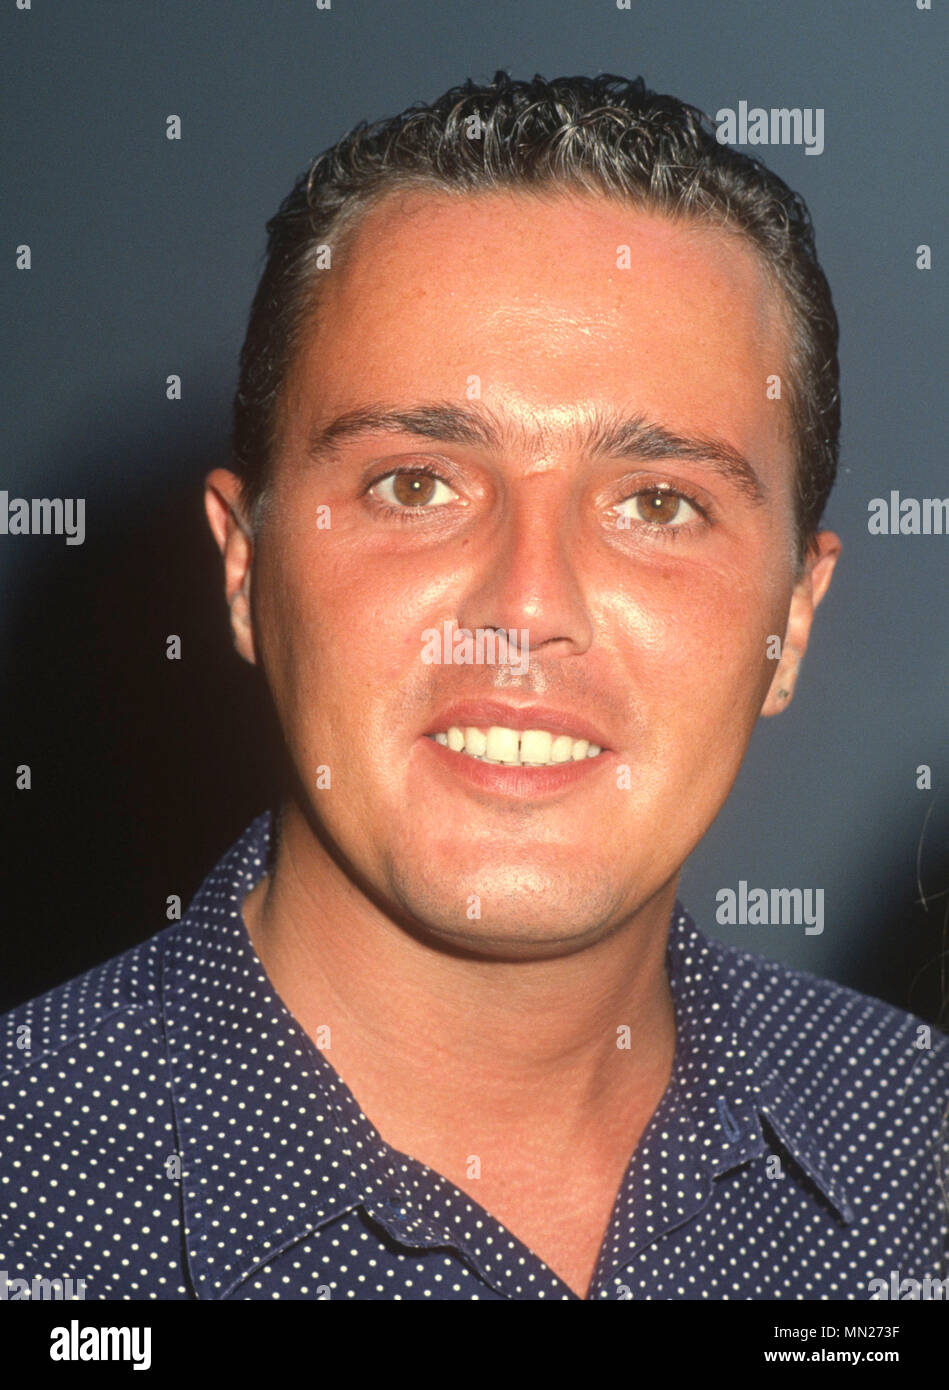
(546, 920)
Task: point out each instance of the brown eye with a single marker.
(658, 506)
(413, 489)
(408, 489)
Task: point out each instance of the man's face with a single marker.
(649, 585)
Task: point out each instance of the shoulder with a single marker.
(767, 992)
(837, 1049)
(122, 993)
(88, 1119)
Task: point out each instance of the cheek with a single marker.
(696, 638)
(298, 629)
(338, 632)
(367, 608)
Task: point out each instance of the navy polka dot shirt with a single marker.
(170, 1132)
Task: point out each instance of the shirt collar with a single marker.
(242, 1069)
(709, 1120)
(243, 1073)
(725, 1072)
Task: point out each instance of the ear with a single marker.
(808, 592)
(222, 503)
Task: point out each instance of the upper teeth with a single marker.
(533, 747)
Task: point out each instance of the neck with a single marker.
(575, 1044)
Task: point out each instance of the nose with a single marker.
(528, 577)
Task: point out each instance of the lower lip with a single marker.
(521, 782)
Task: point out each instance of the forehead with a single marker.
(552, 305)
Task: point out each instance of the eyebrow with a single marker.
(636, 438)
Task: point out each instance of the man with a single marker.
(545, 364)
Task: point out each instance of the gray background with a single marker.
(145, 257)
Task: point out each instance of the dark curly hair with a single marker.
(602, 134)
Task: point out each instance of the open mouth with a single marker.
(516, 747)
